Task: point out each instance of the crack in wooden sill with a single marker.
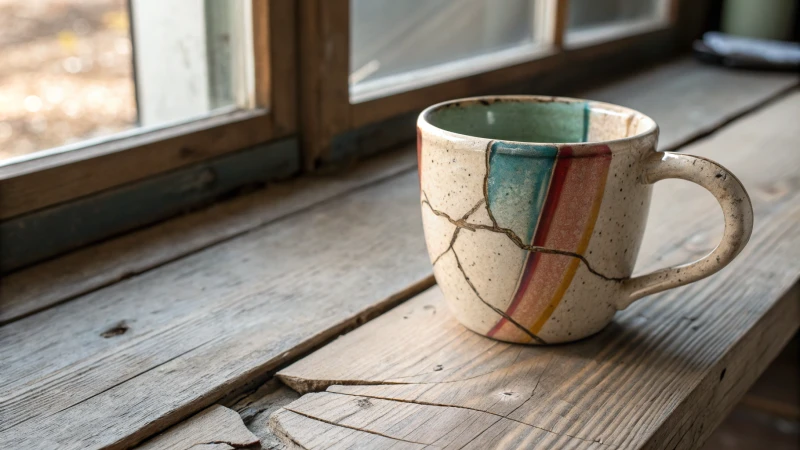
(283, 434)
(500, 416)
(307, 385)
(533, 392)
(353, 428)
(479, 434)
(323, 386)
(228, 443)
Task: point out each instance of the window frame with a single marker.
(326, 110)
(48, 180)
(302, 89)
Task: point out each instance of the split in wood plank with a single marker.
(256, 407)
(663, 375)
(214, 428)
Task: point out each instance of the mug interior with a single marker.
(538, 119)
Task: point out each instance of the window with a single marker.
(98, 96)
(594, 20)
(368, 61)
(77, 70)
(66, 73)
(395, 46)
(100, 93)
(191, 57)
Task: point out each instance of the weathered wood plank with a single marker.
(686, 98)
(216, 427)
(256, 407)
(22, 293)
(334, 437)
(689, 99)
(127, 157)
(663, 375)
(43, 234)
(200, 327)
(408, 424)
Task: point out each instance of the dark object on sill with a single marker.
(747, 53)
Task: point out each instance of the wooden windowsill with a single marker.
(663, 375)
(131, 336)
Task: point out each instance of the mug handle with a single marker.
(736, 208)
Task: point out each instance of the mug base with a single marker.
(545, 342)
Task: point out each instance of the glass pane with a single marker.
(72, 70)
(390, 37)
(585, 14)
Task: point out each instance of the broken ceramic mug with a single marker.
(534, 210)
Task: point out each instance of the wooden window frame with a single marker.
(321, 101)
(138, 154)
(327, 112)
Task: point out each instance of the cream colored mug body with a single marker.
(534, 210)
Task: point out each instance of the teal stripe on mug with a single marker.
(586, 113)
(519, 176)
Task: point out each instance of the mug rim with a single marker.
(424, 123)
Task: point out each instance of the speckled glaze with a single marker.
(534, 210)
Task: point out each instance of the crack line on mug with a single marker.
(464, 223)
(494, 308)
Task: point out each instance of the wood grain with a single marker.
(360, 421)
(56, 230)
(139, 355)
(22, 293)
(688, 99)
(260, 10)
(282, 64)
(256, 407)
(38, 183)
(663, 375)
(560, 25)
(214, 426)
(325, 68)
(334, 437)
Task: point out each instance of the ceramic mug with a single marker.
(534, 210)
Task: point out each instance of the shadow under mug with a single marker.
(534, 210)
